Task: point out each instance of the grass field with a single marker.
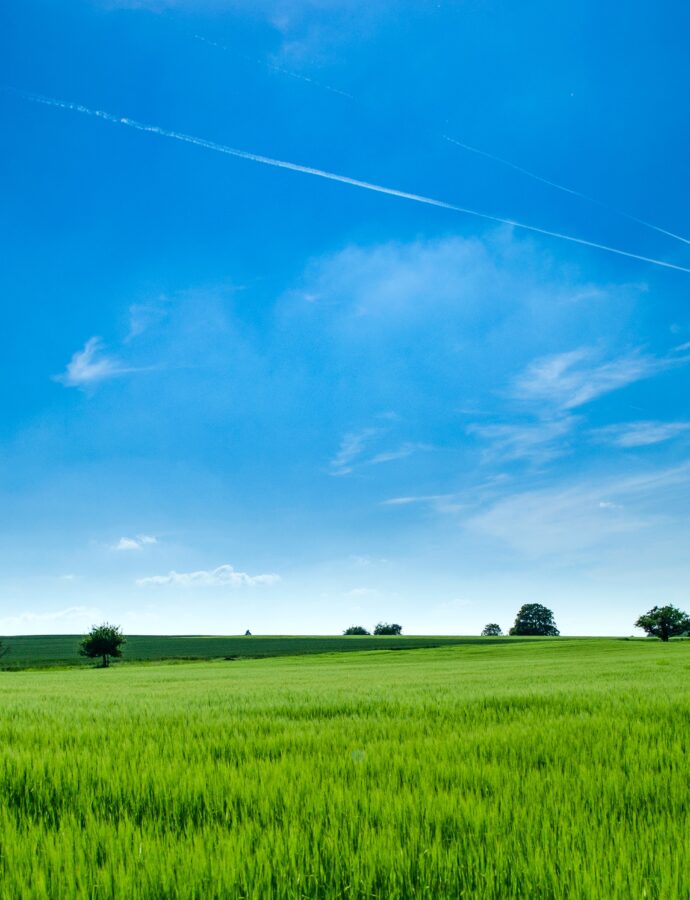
(36, 651)
(543, 769)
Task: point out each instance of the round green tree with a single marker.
(388, 628)
(492, 630)
(103, 642)
(534, 619)
(356, 629)
(664, 622)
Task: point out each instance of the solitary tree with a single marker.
(664, 622)
(534, 619)
(103, 641)
(386, 628)
(356, 629)
(492, 630)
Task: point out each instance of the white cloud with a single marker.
(91, 365)
(538, 442)
(351, 447)
(442, 503)
(74, 617)
(571, 379)
(569, 519)
(137, 543)
(364, 561)
(360, 593)
(402, 452)
(641, 434)
(223, 576)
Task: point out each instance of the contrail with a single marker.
(567, 190)
(343, 179)
(274, 68)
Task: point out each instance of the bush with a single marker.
(356, 629)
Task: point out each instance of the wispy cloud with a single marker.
(91, 365)
(355, 450)
(137, 543)
(37, 623)
(539, 442)
(401, 452)
(567, 519)
(223, 576)
(640, 434)
(351, 448)
(442, 503)
(572, 379)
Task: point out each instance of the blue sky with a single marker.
(241, 396)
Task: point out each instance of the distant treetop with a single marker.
(387, 628)
(356, 629)
(534, 619)
(492, 630)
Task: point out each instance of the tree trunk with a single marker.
(105, 661)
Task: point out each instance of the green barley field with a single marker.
(540, 769)
(41, 651)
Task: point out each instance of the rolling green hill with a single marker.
(34, 651)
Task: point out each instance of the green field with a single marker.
(542, 769)
(38, 651)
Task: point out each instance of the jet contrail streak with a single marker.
(274, 68)
(567, 190)
(343, 179)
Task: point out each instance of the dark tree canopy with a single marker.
(664, 622)
(104, 641)
(492, 630)
(356, 629)
(387, 628)
(534, 619)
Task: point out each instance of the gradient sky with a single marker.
(238, 396)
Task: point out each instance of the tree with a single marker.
(534, 619)
(492, 630)
(386, 628)
(247, 633)
(103, 641)
(664, 622)
(356, 629)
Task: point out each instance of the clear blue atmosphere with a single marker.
(238, 394)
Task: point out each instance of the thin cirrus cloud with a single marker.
(641, 434)
(355, 445)
(222, 576)
(92, 365)
(38, 623)
(574, 517)
(351, 448)
(572, 379)
(136, 543)
(539, 442)
(441, 503)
